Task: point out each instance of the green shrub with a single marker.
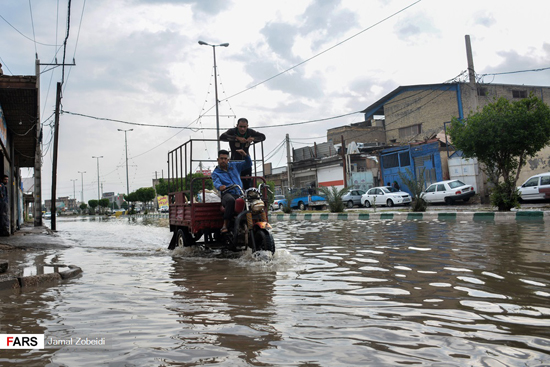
(334, 198)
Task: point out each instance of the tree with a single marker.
(93, 204)
(162, 187)
(104, 203)
(502, 136)
(334, 198)
(145, 195)
(416, 187)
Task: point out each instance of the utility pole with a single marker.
(288, 162)
(344, 160)
(54, 163)
(126, 148)
(471, 73)
(38, 156)
(98, 197)
(82, 182)
(74, 190)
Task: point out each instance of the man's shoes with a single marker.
(223, 230)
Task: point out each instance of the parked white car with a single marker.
(536, 187)
(278, 202)
(448, 192)
(385, 195)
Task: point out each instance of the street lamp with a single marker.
(202, 43)
(74, 192)
(126, 147)
(98, 197)
(82, 182)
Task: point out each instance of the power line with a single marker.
(30, 39)
(325, 51)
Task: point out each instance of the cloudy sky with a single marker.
(296, 67)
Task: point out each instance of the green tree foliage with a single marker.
(164, 187)
(334, 198)
(502, 136)
(416, 187)
(104, 203)
(93, 203)
(83, 206)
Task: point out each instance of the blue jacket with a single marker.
(232, 175)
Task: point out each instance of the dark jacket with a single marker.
(231, 137)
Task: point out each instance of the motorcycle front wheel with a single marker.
(264, 240)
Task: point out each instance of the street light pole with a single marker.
(82, 187)
(74, 191)
(202, 43)
(98, 197)
(126, 148)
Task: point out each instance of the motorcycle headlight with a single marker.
(257, 206)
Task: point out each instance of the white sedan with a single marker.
(448, 192)
(385, 195)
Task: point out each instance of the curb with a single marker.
(11, 282)
(430, 216)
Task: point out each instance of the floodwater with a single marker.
(340, 293)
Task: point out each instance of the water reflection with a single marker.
(336, 294)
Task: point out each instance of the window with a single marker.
(405, 159)
(482, 92)
(410, 130)
(545, 180)
(519, 94)
(534, 181)
(431, 188)
(390, 160)
(441, 187)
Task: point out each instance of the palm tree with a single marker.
(334, 198)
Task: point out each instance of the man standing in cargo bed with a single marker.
(241, 137)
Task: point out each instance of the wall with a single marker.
(331, 176)
(430, 107)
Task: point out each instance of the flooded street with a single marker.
(339, 293)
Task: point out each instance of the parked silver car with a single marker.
(448, 192)
(385, 195)
(353, 198)
(536, 187)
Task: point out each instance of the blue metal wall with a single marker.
(416, 159)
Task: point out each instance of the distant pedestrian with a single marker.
(4, 208)
(388, 184)
(396, 185)
(1, 72)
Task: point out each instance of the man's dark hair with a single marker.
(242, 119)
(223, 151)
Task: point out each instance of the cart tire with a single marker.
(350, 204)
(366, 204)
(302, 206)
(184, 238)
(389, 203)
(264, 241)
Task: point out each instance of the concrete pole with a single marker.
(471, 73)
(38, 156)
(288, 162)
(82, 187)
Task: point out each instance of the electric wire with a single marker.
(33, 32)
(30, 39)
(326, 50)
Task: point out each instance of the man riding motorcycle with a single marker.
(225, 174)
